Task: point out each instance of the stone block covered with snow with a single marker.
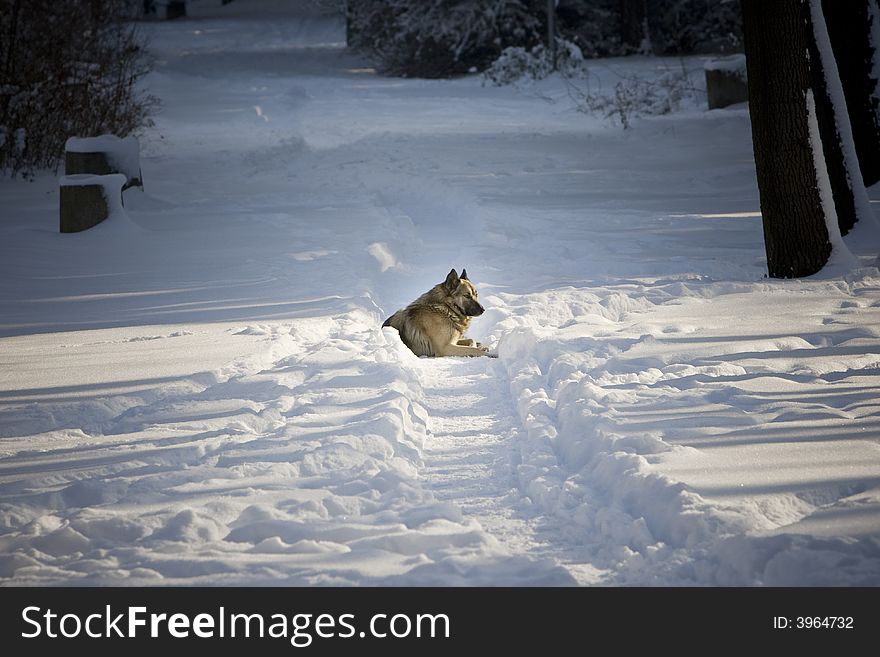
(104, 155)
(87, 200)
(726, 81)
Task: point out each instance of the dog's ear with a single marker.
(464, 275)
(452, 280)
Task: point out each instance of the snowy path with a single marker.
(471, 454)
(472, 459)
(471, 430)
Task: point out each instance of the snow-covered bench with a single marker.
(87, 199)
(103, 155)
(726, 81)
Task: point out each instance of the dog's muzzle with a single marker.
(473, 308)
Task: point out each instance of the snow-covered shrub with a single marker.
(66, 69)
(516, 63)
(635, 96)
(441, 38)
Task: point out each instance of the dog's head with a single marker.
(463, 294)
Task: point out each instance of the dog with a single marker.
(433, 324)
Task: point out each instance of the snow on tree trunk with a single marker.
(850, 196)
(840, 254)
(849, 27)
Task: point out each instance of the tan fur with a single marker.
(435, 323)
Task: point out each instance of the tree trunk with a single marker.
(349, 30)
(849, 26)
(12, 37)
(632, 24)
(776, 41)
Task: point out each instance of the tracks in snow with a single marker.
(471, 454)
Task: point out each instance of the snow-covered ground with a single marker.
(198, 391)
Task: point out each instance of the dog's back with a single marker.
(410, 324)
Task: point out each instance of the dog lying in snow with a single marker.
(435, 323)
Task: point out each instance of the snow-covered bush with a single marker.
(442, 38)
(635, 96)
(66, 69)
(516, 63)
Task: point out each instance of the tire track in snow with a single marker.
(471, 456)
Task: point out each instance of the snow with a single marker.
(209, 397)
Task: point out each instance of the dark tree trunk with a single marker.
(830, 131)
(12, 39)
(632, 24)
(849, 26)
(551, 30)
(795, 234)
